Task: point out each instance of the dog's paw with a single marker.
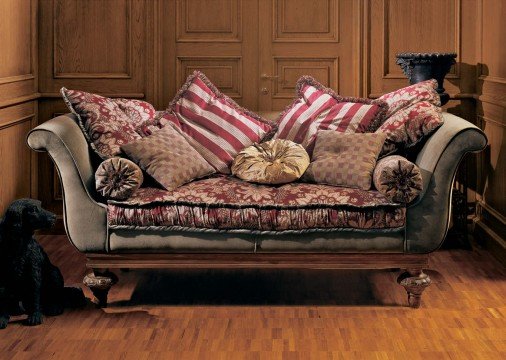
(34, 319)
(53, 310)
(4, 320)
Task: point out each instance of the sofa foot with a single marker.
(100, 282)
(414, 281)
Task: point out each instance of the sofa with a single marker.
(405, 242)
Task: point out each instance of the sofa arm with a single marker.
(85, 219)
(429, 217)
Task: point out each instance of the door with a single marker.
(217, 37)
(300, 37)
(255, 50)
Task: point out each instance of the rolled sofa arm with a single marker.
(429, 217)
(85, 219)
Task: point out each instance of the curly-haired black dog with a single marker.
(27, 276)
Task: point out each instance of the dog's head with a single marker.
(27, 215)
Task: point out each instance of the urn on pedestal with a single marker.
(424, 66)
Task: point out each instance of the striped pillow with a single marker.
(317, 107)
(215, 125)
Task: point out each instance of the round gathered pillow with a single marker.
(398, 179)
(118, 178)
(273, 162)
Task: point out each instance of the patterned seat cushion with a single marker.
(227, 203)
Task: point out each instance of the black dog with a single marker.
(26, 274)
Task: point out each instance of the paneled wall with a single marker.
(96, 46)
(254, 50)
(491, 109)
(18, 94)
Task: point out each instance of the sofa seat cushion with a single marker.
(226, 203)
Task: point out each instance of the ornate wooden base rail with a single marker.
(414, 280)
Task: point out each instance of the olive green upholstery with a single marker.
(85, 217)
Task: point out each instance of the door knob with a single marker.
(269, 77)
(264, 91)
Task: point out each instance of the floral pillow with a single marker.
(215, 125)
(414, 112)
(409, 95)
(107, 123)
(317, 107)
(409, 126)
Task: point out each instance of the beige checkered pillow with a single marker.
(345, 159)
(168, 158)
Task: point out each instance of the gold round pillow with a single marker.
(273, 162)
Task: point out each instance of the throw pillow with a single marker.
(344, 159)
(408, 126)
(107, 123)
(407, 96)
(168, 158)
(272, 162)
(398, 179)
(317, 107)
(118, 178)
(214, 124)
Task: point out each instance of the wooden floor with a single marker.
(262, 314)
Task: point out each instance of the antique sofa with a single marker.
(87, 220)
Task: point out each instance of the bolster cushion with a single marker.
(398, 179)
(118, 178)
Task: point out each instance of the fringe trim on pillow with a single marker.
(80, 122)
(309, 80)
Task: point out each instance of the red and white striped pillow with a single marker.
(215, 125)
(317, 107)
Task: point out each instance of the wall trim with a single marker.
(486, 235)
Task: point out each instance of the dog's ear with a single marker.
(13, 219)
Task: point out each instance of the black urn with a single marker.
(424, 66)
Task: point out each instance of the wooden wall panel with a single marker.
(16, 50)
(410, 26)
(97, 46)
(105, 47)
(226, 71)
(15, 156)
(209, 21)
(289, 70)
(405, 23)
(491, 93)
(294, 21)
(18, 89)
(106, 33)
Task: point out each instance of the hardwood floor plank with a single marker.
(274, 313)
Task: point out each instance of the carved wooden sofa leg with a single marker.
(100, 282)
(414, 281)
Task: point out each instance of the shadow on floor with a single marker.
(253, 287)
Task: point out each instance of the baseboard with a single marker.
(490, 240)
